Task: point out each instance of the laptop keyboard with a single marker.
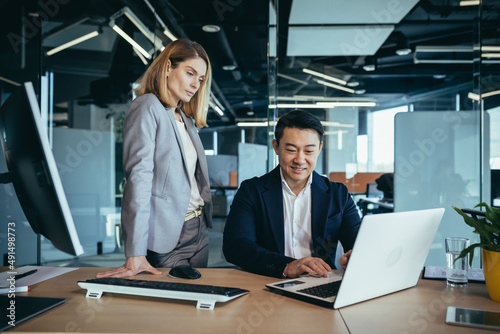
(324, 291)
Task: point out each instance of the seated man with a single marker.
(288, 221)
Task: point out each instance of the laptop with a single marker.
(388, 256)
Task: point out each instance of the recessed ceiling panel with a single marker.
(349, 12)
(337, 41)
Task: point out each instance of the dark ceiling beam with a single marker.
(226, 48)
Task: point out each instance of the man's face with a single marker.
(298, 152)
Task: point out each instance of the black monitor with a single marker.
(33, 171)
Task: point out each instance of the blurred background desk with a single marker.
(418, 310)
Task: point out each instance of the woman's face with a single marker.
(184, 81)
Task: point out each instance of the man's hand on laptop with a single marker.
(344, 259)
(307, 265)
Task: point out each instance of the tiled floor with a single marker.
(215, 258)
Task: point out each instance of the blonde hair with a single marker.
(154, 80)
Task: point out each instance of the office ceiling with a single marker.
(335, 38)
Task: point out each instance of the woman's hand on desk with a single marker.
(133, 266)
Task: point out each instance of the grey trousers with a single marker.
(192, 248)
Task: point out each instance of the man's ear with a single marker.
(320, 147)
(275, 146)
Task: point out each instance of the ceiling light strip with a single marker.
(217, 102)
(451, 48)
(10, 81)
(141, 57)
(473, 96)
(324, 76)
(169, 34)
(250, 124)
(142, 28)
(336, 124)
(131, 41)
(495, 92)
(166, 31)
(322, 105)
(442, 48)
(324, 123)
(293, 79)
(215, 107)
(73, 42)
(329, 84)
(490, 55)
(294, 105)
(476, 97)
(312, 98)
(334, 99)
(219, 111)
(346, 104)
(470, 3)
(490, 48)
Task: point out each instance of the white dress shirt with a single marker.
(195, 201)
(297, 215)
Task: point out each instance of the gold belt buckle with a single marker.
(193, 214)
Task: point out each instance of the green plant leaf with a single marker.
(492, 229)
(493, 248)
(488, 229)
(493, 222)
(477, 224)
(470, 251)
(492, 214)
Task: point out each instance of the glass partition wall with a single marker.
(406, 92)
(85, 92)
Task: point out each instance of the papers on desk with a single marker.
(439, 273)
(41, 274)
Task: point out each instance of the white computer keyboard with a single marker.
(205, 295)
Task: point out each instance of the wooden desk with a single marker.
(418, 310)
(261, 311)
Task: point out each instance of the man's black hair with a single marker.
(299, 119)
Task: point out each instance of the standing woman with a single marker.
(167, 204)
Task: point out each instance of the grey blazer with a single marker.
(158, 188)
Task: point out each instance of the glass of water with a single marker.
(456, 271)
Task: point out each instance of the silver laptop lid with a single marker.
(388, 255)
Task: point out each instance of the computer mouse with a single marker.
(184, 271)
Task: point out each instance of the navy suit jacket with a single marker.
(254, 232)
